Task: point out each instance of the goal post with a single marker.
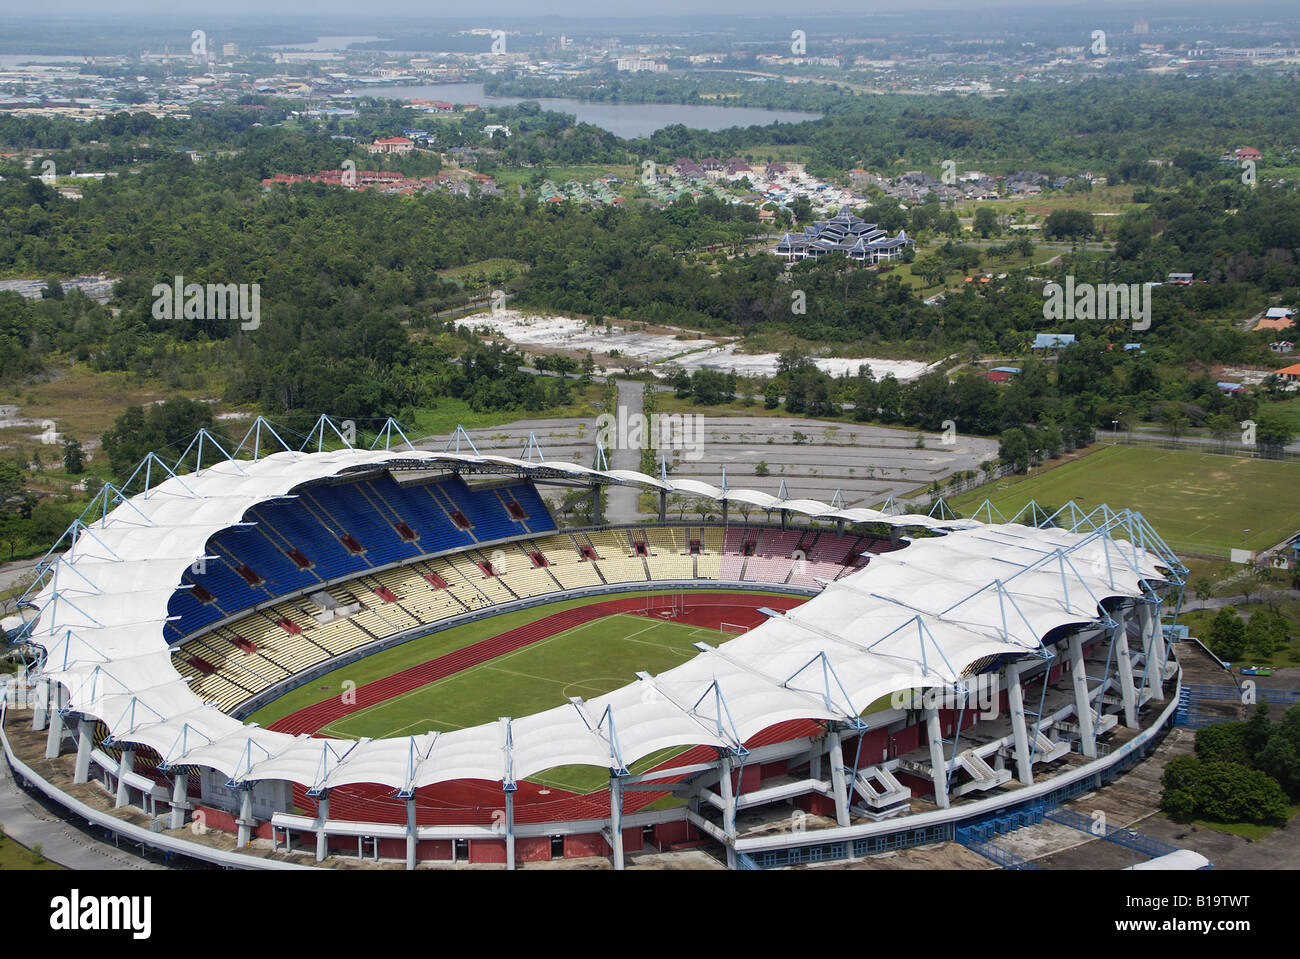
(732, 628)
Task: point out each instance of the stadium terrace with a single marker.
(180, 608)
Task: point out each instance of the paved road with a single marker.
(623, 499)
(28, 822)
(10, 574)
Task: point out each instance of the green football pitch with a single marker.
(387, 662)
(586, 661)
(1191, 499)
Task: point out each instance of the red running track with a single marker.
(475, 801)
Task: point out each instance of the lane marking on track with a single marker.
(705, 600)
(494, 664)
(487, 663)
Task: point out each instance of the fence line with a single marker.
(1197, 444)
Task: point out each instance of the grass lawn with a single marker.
(1190, 498)
(451, 411)
(1288, 409)
(560, 175)
(16, 856)
(1246, 830)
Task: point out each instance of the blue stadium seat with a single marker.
(312, 521)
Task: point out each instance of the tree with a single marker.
(74, 460)
(1280, 761)
(1174, 420)
(1272, 433)
(986, 222)
(1223, 741)
(1257, 729)
(1203, 589)
(1068, 223)
(1221, 427)
(11, 482)
(1262, 635)
(1227, 635)
(1225, 792)
(1013, 449)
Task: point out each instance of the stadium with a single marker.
(278, 657)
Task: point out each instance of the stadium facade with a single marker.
(940, 668)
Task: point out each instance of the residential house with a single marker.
(392, 145)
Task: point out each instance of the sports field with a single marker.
(1192, 499)
(393, 660)
(516, 664)
(587, 660)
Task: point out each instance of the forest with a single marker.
(352, 282)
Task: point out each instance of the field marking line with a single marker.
(330, 729)
(400, 697)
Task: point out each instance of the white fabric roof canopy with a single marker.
(916, 617)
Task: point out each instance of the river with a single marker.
(627, 120)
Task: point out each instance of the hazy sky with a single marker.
(578, 8)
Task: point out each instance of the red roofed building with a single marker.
(392, 145)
